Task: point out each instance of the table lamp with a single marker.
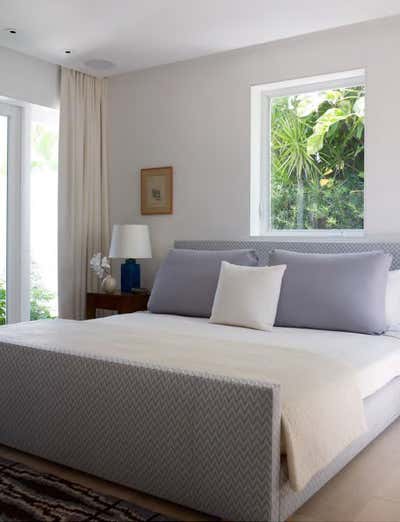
(130, 242)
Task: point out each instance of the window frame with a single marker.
(260, 192)
(18, 230)
(17, 280)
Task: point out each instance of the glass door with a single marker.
(3, 216)
(28, 212)
(11, 262)
(43, 201)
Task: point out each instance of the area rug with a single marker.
(27, 495)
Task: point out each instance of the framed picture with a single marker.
(156, 190)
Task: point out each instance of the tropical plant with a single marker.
(317, 155)
(40, 301)
(290, 156)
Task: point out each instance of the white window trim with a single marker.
(17, 248)
(260, 197)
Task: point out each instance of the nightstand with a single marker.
(123, 303)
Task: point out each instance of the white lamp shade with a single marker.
(130, 241)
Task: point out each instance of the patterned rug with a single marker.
(29, 496)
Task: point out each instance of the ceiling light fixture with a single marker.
(99, 65)
(10, 30)
(67, 51)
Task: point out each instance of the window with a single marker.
(43, 213)
(308, 156)
(28, 212)
(11, 260)
(3, 214)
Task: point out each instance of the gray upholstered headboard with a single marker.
(323, 247)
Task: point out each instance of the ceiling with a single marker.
(135, 34)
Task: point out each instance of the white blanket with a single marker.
(375, 358)
(322, 410)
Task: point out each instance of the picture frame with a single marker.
(156, 190)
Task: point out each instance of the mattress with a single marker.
(376, 359)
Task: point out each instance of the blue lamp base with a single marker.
(130, 275)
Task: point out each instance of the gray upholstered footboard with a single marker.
(202, 441)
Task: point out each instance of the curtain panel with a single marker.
(83, 225)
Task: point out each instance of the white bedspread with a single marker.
(322, 410)
(375, 358)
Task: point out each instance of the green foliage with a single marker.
(2, 304)
(316, 141)
(40, 297)
(40, 300)
(317, 149)
(290, 145)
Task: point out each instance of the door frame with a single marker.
(18, 233)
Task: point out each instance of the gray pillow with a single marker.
(187, 280)
(333, 291)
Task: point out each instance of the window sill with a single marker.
(310, 234)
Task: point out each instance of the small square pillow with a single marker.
(247, 296)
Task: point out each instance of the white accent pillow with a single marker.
(247, 296)
(393, 300)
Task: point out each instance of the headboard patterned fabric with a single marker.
(263, 248)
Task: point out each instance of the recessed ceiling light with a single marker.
(67, 51)
(99, 65)
(10, 30)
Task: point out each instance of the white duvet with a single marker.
(333, 370)
(375, 358)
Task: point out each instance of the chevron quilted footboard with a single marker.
(210, 443)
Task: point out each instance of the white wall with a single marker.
(27, 79)
(196, 116)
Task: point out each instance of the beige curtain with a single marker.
(83, 187)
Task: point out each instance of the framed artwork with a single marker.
(156, 190)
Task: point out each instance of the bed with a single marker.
(213, 441)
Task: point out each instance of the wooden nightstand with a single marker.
(120, 302)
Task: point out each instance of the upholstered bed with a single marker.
(208, 440)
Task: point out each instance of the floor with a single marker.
(367, 490)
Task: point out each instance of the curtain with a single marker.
(83, 187)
